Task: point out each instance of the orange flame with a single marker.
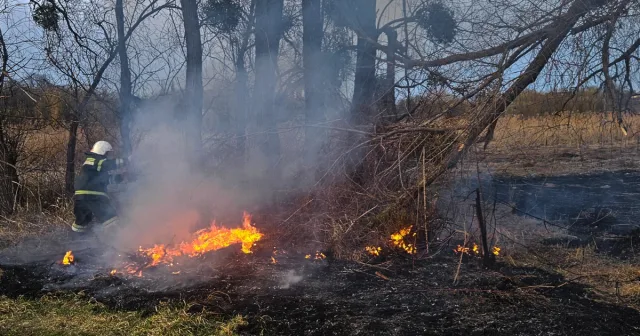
(397, 239)
(475, 249)
(113, 272)
(68, 258)
(461, 249)
(206, 240)
(374, 251)
(318, 256)
(496, 250)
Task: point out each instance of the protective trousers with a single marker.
(88, 207)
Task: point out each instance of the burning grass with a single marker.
(206, 240)
(80, 315)
(300, 297)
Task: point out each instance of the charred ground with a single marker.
(391, 295)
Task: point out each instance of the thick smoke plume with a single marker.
(169, 199)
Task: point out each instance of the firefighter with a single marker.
(90, 197)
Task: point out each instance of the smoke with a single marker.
(289, 279)
(169, 199)
(265, 112)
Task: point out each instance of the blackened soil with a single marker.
(299, 296)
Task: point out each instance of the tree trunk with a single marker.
(390, 86)
(268, 33)
(313, 81)
(9, 182)
(193, 88)
(125, 82)
(70, 172)
(8, 158)
(365, 78)
(242, 89)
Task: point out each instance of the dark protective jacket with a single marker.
(94, 175)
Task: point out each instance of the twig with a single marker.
(382, 276)
(294, 213)
(374, 266)
(545, 286)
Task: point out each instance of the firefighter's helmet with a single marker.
(101, 148)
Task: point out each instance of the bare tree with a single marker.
(193, 89)
(8, 156)
(365, 79)
(125, 81)
(75, 54)
(268, 33)
(470, 55)
(313, 77)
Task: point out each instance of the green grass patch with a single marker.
(79, 315)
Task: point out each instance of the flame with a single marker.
(68, 258)
(113, 272)
(398, 240)
(206, 240)
(318, 256)
(461, 249)
(273, 260)
(496, 250)
(475, 249)
(374, 251)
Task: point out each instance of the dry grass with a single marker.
(557, 145)
(515, 132)
(25, 224)
(78, 315)
(611, 278)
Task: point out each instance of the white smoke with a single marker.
(289, 279)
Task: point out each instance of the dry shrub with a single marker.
(371, 190)
(377, 186)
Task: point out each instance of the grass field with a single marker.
(79, 315)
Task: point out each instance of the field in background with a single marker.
(577, 130)
(552, 145)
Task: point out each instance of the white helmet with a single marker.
(101, 148)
